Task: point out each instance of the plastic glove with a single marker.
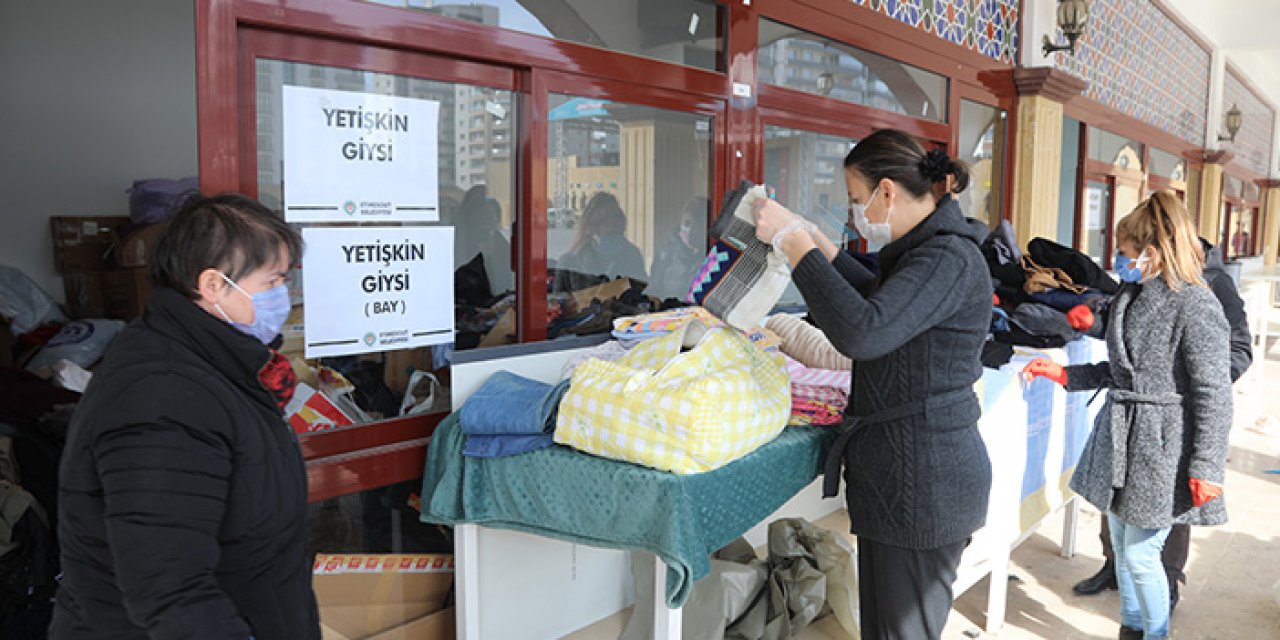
(771, 218)
(995, 299)
(1045, 368)
(1203, 491)
(1080, 317)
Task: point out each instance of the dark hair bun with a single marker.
(936, 165)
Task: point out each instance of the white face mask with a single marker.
(876, 234)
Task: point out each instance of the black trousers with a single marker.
(1174, 557)
(905, 594)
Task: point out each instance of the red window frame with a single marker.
(370, 37)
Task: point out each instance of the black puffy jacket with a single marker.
(1224, 288)
(182, 502)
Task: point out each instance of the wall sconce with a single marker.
(1072, 16)
(826, 82)
(1233, 121)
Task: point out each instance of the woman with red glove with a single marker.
(1157, 454)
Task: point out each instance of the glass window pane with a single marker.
(688, 32)
(806, 171)
(1067, 182)
(1097, 205)
(476, 177)
(808, 62)
(982, 138)
(627, 199)
(1252, 192)
(1168, 165)
(1119, 151)
(1233, 187)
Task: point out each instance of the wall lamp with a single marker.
(1233, 121)
(1072, 16)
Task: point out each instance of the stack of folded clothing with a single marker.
(818, 396)
(510, 415)
(632, 330)
(807, 344)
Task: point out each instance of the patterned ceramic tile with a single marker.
(989, 27)
(1141, 63)
(1253, 142)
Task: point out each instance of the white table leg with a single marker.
(998, 590)
(667, 623)
(466, 544)
(1070, 522)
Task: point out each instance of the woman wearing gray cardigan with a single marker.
(1157, 454)
(916, 469)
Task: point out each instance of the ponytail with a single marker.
(1162, 221)
(892, 154)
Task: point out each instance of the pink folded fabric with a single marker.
(809, 376)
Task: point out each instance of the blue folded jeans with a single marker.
(510, 414)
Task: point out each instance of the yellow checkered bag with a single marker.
(681, 412)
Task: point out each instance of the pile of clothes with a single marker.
(821, 377)
(1035, 292)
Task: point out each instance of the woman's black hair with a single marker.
(892, 154)
(232, 233)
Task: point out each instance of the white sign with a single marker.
(359, 157)
(377, 289)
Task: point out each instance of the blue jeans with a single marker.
(1144, 587)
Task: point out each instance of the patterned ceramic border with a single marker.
(1140, 62)
(1253, 142)
(989, 27)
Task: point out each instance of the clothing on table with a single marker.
(806, 343)
(742, 277)
(1041, 320)
(1001, 246)
(1041, 279)
(1143, 585)
(1017, 336)
(1064, 300)
(183, 494)
(905, 594)
(917, 469)
(509, 415)
(632, 330)
(999, 320)
(818, 377)
(1079, 267)
(1170, 382)
(996, 354)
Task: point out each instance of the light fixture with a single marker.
(1233, 121)
(1072, 16)
(826, 82)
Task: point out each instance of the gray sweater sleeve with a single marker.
(857, 275)
(1204, 349)
(919, 295)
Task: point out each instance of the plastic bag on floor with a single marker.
(80, 341)
(24, 304)
(806, 555)
(736, 577)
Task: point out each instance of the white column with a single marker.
(1213, 117)
(1274, 161)
(1039, 18)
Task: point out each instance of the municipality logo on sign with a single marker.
(369, 339)
(349, 208)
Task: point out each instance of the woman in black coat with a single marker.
(182, 510)
(916, 469)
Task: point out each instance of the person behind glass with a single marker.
(183, 495)
(601, 246)
(916, 469)
(1177, 546)
(1157, 454)
(678, 258)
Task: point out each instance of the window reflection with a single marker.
(807, 62)
(628, 207)
(688, 32)
(982, 136)
(475, 173)
(806, 171)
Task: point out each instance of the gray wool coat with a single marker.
(1168, 409)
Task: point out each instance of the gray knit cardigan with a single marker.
(1168, 409)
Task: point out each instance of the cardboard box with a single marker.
(372, 596)
(117, 293)
(135, 249)
(441, 625)
(84, 243)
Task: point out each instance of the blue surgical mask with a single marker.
(270, 310)
(1130, 270)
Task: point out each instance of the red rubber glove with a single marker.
(1045, 368)
(1203, 491)
(1080, 317)
(995, 300)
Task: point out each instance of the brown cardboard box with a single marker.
(118, 293)
(441, 625)
(359, 603)
(135, 249)
(84, 243)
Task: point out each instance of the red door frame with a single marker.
(354, 34)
